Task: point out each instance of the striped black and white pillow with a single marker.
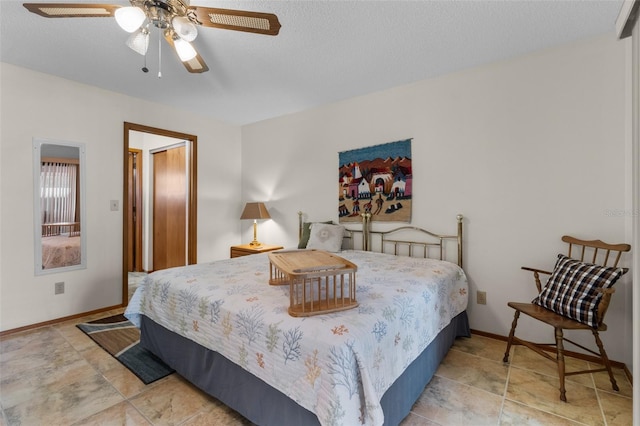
(572, 289)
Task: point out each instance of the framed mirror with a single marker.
(58, 206)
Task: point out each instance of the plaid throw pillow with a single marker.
(571, 289)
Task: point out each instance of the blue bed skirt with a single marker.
(266, 406)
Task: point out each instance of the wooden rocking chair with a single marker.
(559, 307)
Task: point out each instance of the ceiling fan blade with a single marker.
(195, 65)
(237, 20)
(72, 10)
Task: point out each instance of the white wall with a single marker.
(528, 150)
(44, 106)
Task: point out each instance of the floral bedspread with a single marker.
(336, 365)
(60, 251)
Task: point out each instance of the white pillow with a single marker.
(326, 237)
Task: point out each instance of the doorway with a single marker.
(132, 217)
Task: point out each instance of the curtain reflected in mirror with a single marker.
(58, 206)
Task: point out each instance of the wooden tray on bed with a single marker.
(319, 282)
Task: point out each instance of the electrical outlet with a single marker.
(59, 288)
(481, 298)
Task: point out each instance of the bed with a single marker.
(60, 250)
(225, 329)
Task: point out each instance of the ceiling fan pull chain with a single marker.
(159, 53)
(144, 68)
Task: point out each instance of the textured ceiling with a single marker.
(326, 50)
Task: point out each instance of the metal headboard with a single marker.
(383, 240)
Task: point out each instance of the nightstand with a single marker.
(247, 249)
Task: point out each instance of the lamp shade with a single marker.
(139, 41)
(184, 28)
(130, 18)
(185, 50)
(255, 211)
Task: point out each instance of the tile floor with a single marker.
(55, 375)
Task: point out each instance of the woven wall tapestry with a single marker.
(376, 179)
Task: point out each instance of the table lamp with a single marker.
(255, 211)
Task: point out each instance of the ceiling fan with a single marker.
(176, 20)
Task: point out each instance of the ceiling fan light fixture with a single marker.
(130, 18)
(184, 28)
(176, 20)
(185, 51)
(139, 41)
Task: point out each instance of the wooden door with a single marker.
(169, 208)
(134, 211)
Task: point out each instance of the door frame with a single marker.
(136, 240)
(192, 164)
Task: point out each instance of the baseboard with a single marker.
(57, 320)
(578, 355)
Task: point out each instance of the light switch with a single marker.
(115, 205)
